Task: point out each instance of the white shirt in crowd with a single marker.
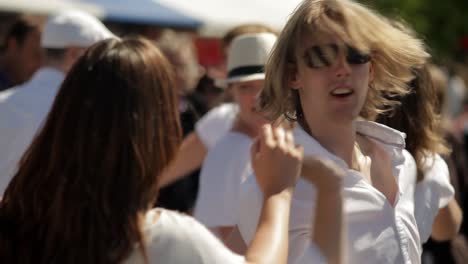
(176, 238)
(22, 111)
(225, 167)
(434, 192)
(216, 123)
(377, 231)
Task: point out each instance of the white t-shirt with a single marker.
(175, 238)
(216, 123)
(225, 167)
(431, 194)
(22, 111)
(377, 231)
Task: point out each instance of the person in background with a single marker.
(65, 38)
(436, 210)
(179, 49)
(227, 163)
(455, 247)
(20, 53)
(212, 126)
(210, 91)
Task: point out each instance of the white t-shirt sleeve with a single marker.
(210, 247)
(216, 123)
(431, 194)
(438, 178)
(177, 238)
(226, 166)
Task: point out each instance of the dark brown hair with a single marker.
(92, 170)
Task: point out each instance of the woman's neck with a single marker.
(338, 138)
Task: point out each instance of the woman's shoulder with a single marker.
(178, 229)
(165, 221)
(179, 238)
(166, 233)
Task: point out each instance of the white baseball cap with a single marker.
(247, 57)
(73, 28)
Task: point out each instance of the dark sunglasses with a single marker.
(322, 56)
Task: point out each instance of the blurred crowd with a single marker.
(98, 127)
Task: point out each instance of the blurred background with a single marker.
(443, 24)
(190, 33)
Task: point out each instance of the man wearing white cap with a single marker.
(228, 162)
(64, 39)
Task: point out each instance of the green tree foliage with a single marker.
(442, 23)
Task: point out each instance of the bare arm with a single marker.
(447, 222)
(329, 228)
(270, 244)
(276, 162)
(190, 156)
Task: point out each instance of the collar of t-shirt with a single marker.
(393, 141)
(389, 138)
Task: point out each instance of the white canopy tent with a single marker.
(218, 16)
(149, 12)
(46, 7)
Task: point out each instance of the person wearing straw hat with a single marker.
(228, 162)
(65, 38)
(215, 123)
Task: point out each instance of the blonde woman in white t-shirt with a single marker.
(333, 62)
(85, 186)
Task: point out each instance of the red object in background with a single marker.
(464, 43)
(209, 51)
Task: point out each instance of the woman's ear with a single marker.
(293, 80)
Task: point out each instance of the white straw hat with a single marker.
(247, 57)
(73, 28)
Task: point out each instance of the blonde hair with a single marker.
(393, 53)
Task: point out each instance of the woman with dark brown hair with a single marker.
(85, 187)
